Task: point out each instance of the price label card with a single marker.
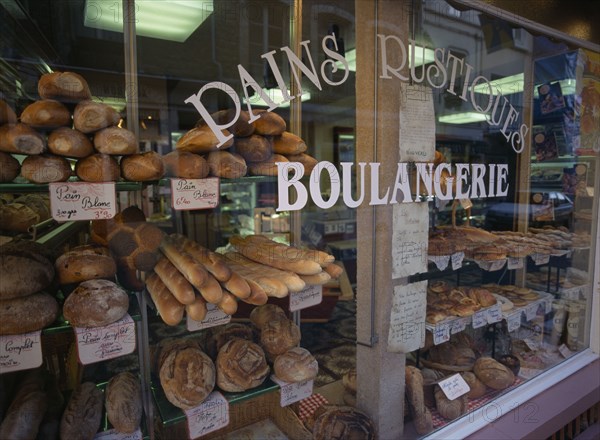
(20, 352)
(480, 318)
(113, 434)
(513, 321)
(564, 351)
(458, 325)
(457, 260)
(214, 317)
(441, 333)
(531, 311)
(454, 386)
(188, 194)
(293, 392)
(210, 415)
(491, 266)
(82, 201)
(540, 259)
(440, 261)
(515, 263)
(95, 344)
(310, 296)
(494, 314)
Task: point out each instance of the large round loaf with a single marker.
(98, 168)
(27, 314)
(64, 86)
(23, 272)
(296, 365)
(88, 263)
(187, 376)
(95, 303)
(259, 316)
(201, 139)
(115, 141)
(223, 334)
(9, 167)
(46, 113)
(493, 374)
(124, 402)
(142, 167)
(65, 141)
(21, 139)
(185, 165)
(277, 337)
(254, 148)
(83, 414)
(268, 123)
(343, 422)
(45, 169)
(227, 165)
(90, 116)
(241, 365)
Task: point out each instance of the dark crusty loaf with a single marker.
(64, 86)
(83, 414)
(26, 410)
(21, 139)
(90, 116)
(278, 336)
(296, 365)
(254, 148)
(268, 123)
(98, 168)
(9, 167)
(342, 422)
(65, 141)
(82, 264)
(27, 314)
(46, 168)
(240, 128)
(185, 165)
(227, 165)
(23, 272)
(222, 334)
(142, 167)
(201, 139)
(95, 303)
(124, 402)
(241, 365)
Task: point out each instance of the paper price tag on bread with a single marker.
(214, 317)
(20, 352)
(95, 344)
(293, 392)
(210, 415)
(188, 194)
(72, 201)
(310, 296)
(454, 386)
(113, 434)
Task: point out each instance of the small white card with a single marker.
(310, 296)
(515, 263)
(20, 352)
(458, 325)
(441, 333)
(513, 321)
(491, 266)
(293, 392)
(480, 318)
(494, 314)
(531, 311)
(188, 194)
(454, 386)
(214, 317)
(72, 201)
(457, 260)
(95, 344)
(113, 434)
(540, 259)
(210, 415)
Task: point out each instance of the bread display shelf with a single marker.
(43, 187)
(170, 415)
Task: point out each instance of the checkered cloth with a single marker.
(308, 406)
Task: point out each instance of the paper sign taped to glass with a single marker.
(407, 318)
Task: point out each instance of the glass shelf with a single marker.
(19, 187)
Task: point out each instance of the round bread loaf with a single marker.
(260, 315)
(27, 314)
(277, 337)
(65, 141)
(477, 387)
(268, 167)
(224, 333)
(90, 116)
(341, 423)
(46, 114)
(83, 414)
(296, 365)
(187, 376)
(8, 116)
(98, 168)
(268, 123)
(21, 139)
(201, 139)
(45, 168)
(64, 86)
(254, 148)
(227, 165)
(241, 365)
(493, 374)
(289, 144)
(165, 346)
(95, 303)
(84, 264)
(142, 167)
(240, 128)
(115, 141)
(124, 402)
(9, 167)
(185, 165)
(450, 409)
(23, 272)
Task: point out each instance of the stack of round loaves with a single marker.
(255, 149)
(26, 275)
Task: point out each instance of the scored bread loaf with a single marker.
(142, 167)
(222, 334)
(95, 303)
(23, 272)
(46, 168)
(65, 141)
(254, 148)
(46, 113)
(124, 402)
(342, 422)
(98, 168)
(185, 165)
(83, 414)
(240, 128)
(21, 139)
(9, 167)
(296, 365)
(115, 141)
(279, 336)
(27, 314)
(260, 316)
(26, 411)
(268, 123)
(227, 165)
(90, 116)
(241, 365)
(201, 139)
(169, 309)
(63, 86)
(85, 263)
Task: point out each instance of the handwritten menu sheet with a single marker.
(409, 239)
(407, 318)
(417, 124)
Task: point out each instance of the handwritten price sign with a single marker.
(210, 415)
(454, 386)
(188, 194)
(310, 296)
(95, 344)
(214, 317)
(293, 392)
(20, 352)
(113, 434)
(82, 201)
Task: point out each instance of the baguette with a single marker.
(181, 289)
(333, 270)
(170, 310)
(317, 279)
(211, 290)
(197, 310)
(238, 286)
(193, 271)
(258, 296)
(210, 260)
(271, 286)
(323, 258)
(228, 303)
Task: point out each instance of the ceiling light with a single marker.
(276, 96)
(173, 20)
(462, 118)
(516, 83)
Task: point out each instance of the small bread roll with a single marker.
(296, 365)
(46, 168)
(201, 139)
(90, 116)
(269, 123)
(8, 116)
(277, 337)
(288, 144)
(95, 303)
(46, 114)
(9, 167)
(98, 168)
(68, 142)
(241, 365)
(267, 167)
(227, 165)
(185, 165)
(142, 167)
(63, 86)
(115, 141)
(254, 148)
(21, 139)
